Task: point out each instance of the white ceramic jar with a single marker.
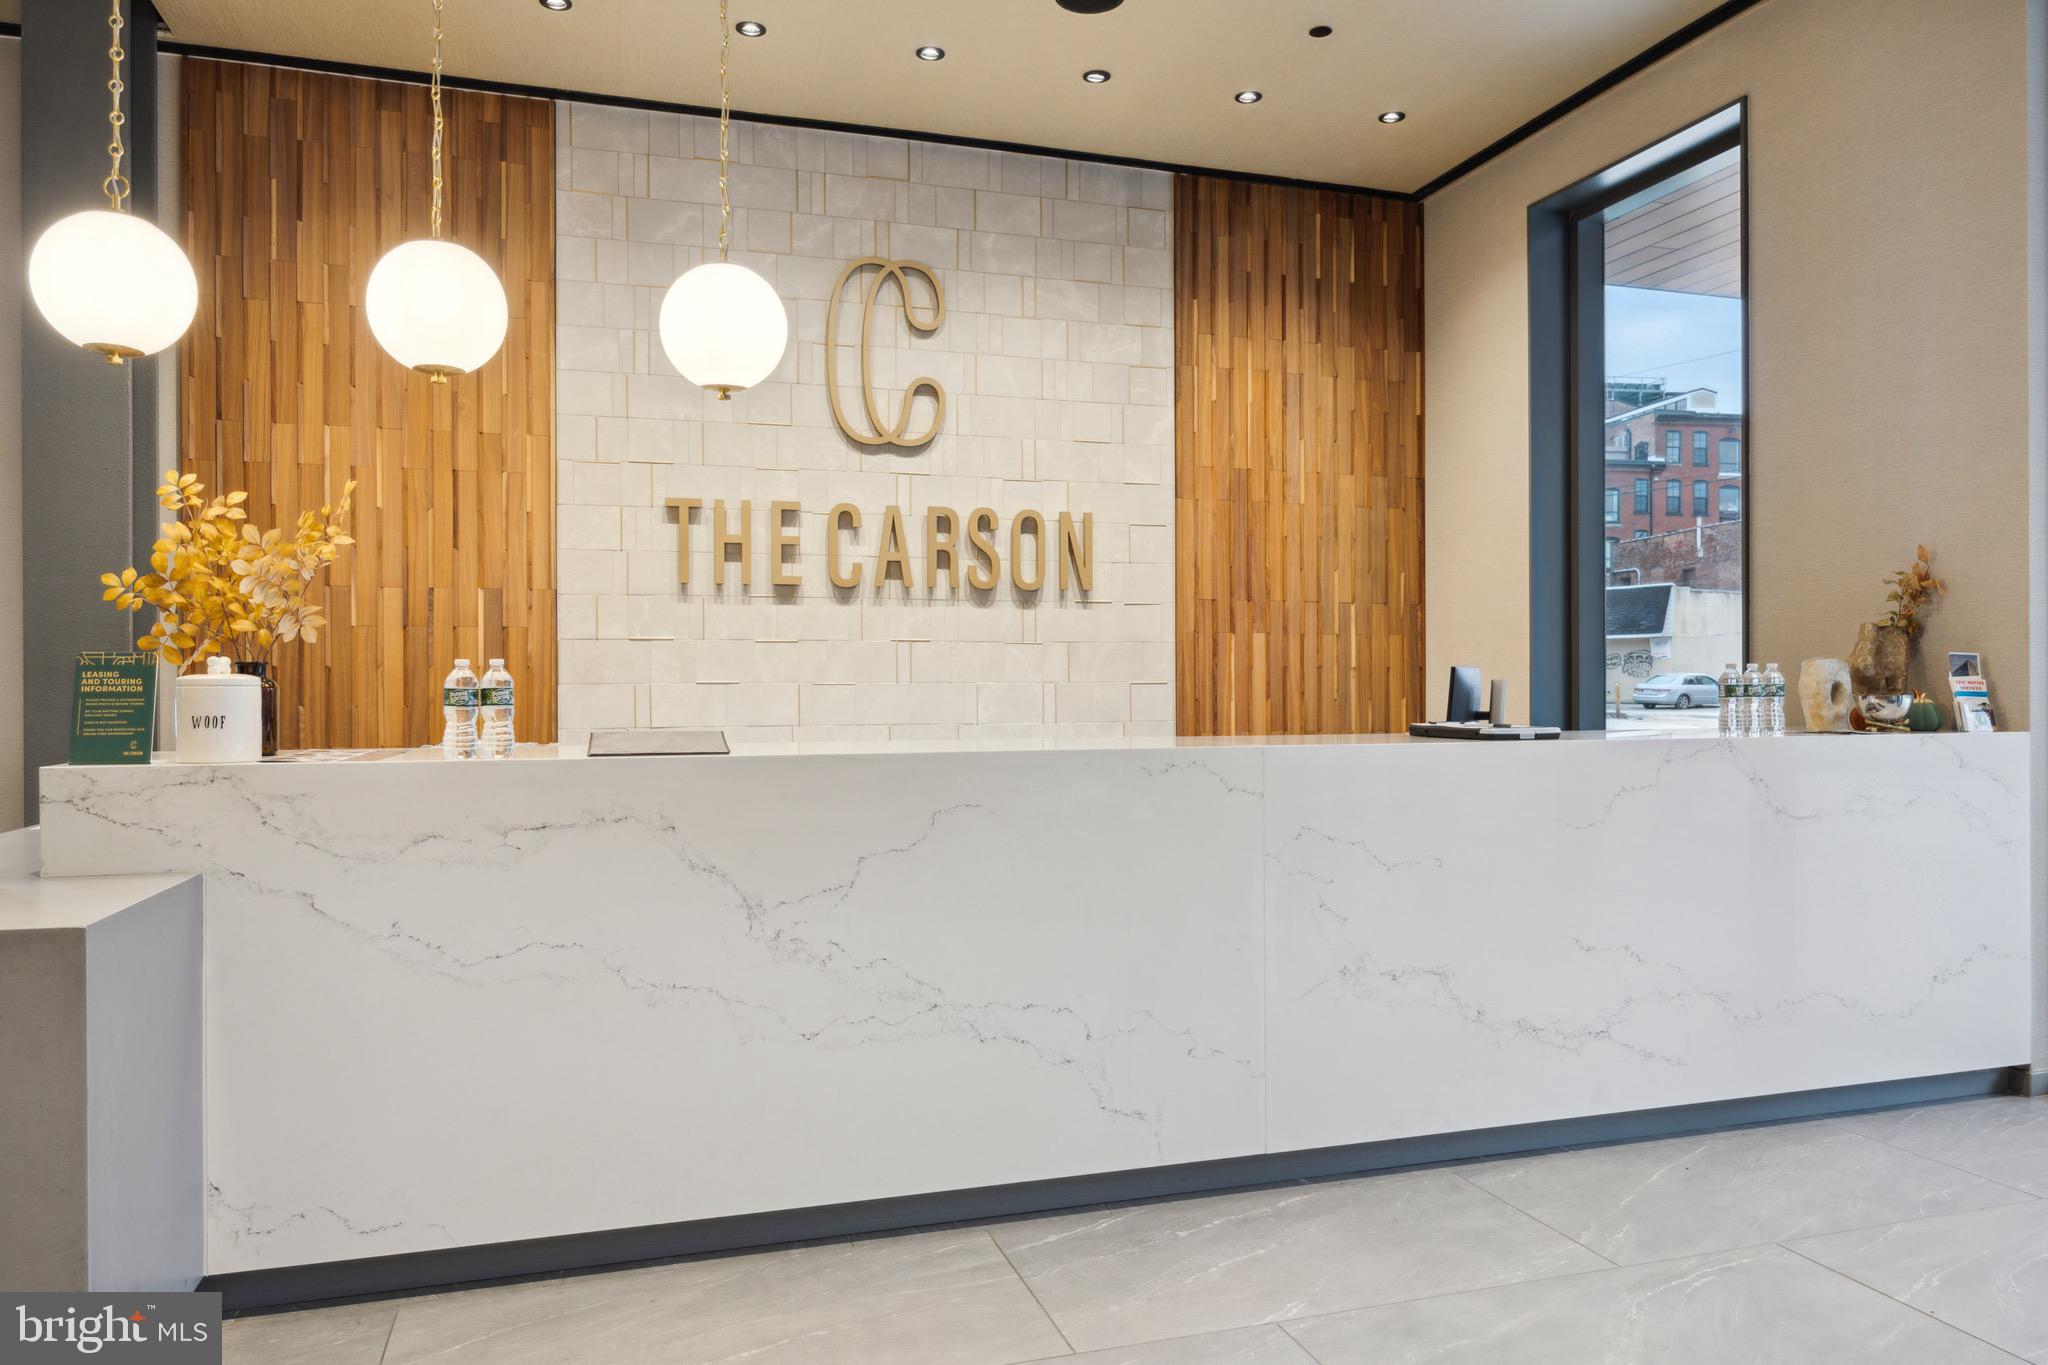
(220, 716)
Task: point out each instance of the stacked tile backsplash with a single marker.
(1056, 355)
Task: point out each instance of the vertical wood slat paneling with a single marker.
(295, 183)
(1298, 460)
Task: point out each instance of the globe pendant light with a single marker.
(722, 325)
(106, 280)
(434, 306)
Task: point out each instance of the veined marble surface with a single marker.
(456, 1003)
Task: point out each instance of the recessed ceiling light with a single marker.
(751, 28)
(1095, 77)
(1392, 116)
(556, 5)
(928, 53)
(1249, 97)
(1321, 31)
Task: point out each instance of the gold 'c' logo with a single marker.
(884, 433)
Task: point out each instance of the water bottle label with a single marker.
(497, 696)
(458, 696)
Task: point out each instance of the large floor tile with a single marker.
(938, 1298)
(351, 1335)
(2003, 1138)
(1762, 1305)
(1651, 1201)
(1244, 1346)
(1986, 1272)
(1151, 1271)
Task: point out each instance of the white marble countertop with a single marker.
(532, 753)
(29, 900)
(970, 968)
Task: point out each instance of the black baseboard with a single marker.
(546, 1257)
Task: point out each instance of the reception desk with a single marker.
(456, 1004)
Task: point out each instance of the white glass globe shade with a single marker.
(113, 283)
(723, 327)
(436, 307)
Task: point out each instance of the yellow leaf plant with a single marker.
(222, 587)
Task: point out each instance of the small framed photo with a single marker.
(1978, 717)
(1962, 665)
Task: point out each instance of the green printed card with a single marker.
(113, 717)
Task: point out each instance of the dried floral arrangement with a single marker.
(1912, 589)
(223, 587)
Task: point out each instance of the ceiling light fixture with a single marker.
(751, 28)
(436, 307)
(1321, 31)
(1095, 77)
(556, 5)
(1392, 116)
(1089, 6)
(722, 326)
(1249, 97)
(106, 280)
(928, 53)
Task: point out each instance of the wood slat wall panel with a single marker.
(295, 183)
(1298, 460)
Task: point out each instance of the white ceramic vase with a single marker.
(1825, 696)
(220, 716)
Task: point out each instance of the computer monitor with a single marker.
(1463, 707)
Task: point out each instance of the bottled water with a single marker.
(1731, 701)
(458, 712)
(496, 700)
(1774, 702)
(1752, 713)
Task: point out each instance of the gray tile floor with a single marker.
(1916, 1236)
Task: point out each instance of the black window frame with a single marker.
(1701, 502)
(1641, 496)
(1674, 446)
(1567, 410)
(1701, 456)
(1674, 497)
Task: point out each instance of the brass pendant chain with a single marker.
(434, 93)
(724, 130)
(116, 186)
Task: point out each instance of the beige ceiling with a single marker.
(1465, 71)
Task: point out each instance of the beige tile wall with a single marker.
(1056, 355)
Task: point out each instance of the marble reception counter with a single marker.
(450, 1004)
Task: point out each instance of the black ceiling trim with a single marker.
(779, 120)
(1649, 56)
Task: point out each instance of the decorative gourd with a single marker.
(1925, 714)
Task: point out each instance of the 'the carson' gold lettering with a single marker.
(951, 543)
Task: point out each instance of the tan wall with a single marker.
(1888, 381)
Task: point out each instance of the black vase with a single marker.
(261, 672)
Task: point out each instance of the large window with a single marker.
(1638, 270)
